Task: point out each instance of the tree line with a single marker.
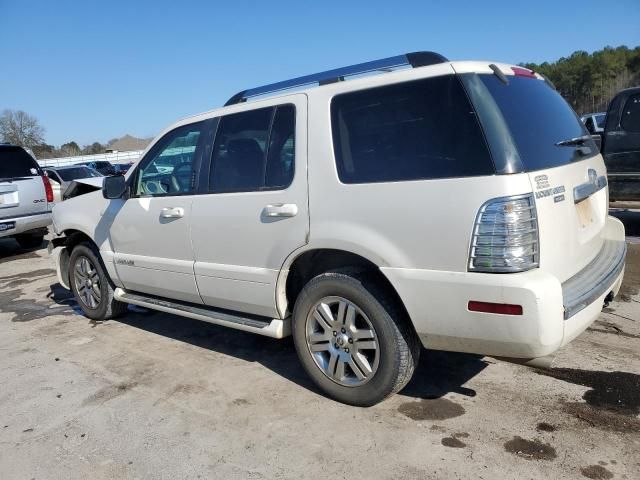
(587, 80)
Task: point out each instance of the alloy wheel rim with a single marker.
(342, 341)
(87, 282)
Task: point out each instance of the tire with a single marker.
(29, 241)
(90, 284)
(376, 329)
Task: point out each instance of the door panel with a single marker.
(153, 254)
(241, 238)
(150, 232)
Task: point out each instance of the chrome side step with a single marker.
(275, 328)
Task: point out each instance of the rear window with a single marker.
(68, 174)
(15, 162)
(417, 130)
(538, 118)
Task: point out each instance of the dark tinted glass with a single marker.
(631, 114)
(15, 162)
(589, 125)
(68, 174)
(239, 151)
(282, 148)
(254, 150)
(538, 118)
(601, 120)
(410, 131)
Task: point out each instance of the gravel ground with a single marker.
(153, 395)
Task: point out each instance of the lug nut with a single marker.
(335, 333)
(346, 350)
(351, 340)
(343, 330)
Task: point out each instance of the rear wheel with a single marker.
(353, 339)
(29, 241)
(91, 286)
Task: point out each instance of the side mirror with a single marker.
(597, 139)
(114, 187)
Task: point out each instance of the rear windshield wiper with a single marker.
(573, 142)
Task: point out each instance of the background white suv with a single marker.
(26, 197)
(455, 205)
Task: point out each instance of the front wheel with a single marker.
(91, 286)
(353, 339)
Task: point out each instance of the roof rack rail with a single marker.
(414, 59)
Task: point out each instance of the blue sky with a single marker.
(94, 70)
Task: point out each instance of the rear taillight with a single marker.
(47, 188)
(499, 308)
(505, 236)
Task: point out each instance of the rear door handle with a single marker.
(172, 212)
(280, 210)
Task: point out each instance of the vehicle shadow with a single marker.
(10, 250)
(630, 219)
(438, 373)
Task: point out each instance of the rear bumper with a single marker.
(437, 304)
(25, 224)
(595, 279)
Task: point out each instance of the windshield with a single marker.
(15, 162)
(545, 130)
(73, 173)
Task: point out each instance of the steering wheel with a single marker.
(181, 181)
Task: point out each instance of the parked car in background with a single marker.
(102, 166)
(62, 177)
(621, 146)
(122, 168)
(594, 122)
(365, 217)
(26, 197)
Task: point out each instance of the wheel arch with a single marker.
(306, 264)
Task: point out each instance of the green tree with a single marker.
(95, 147)
(589, 81)
(70, 148)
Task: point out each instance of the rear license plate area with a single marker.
(585, 213)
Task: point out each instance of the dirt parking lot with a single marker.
(157, 396)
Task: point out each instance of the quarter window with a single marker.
(416, 130)
(169, 169)
(254, 150)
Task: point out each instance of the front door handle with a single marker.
(172, 212)
(281, 210)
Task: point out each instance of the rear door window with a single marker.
(15, 163)
(254, 150)
(424, 129)
(538, 118)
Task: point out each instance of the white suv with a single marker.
(26, 197)
(456, 205)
